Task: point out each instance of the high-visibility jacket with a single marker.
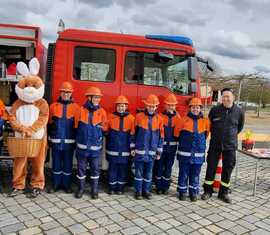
(149, 136)
(3, 116)
(192, 132)
(170, 121)
(120, 139)
(91, 125)
(61, 126)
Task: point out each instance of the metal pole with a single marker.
(255, 177)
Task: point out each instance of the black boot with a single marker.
(193, 197)
(159, 191)
(225, 197)
(94, 195)
(14, 192)
(110, 192)
(52, 189)
(138, 195)
(68, 190)
(35, 192)
(147, 195)
(223, 194)
(79, 193)
(182, 196)
(165, 192)
(206, 195)
(208, 191)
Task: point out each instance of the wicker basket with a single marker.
(23, 147)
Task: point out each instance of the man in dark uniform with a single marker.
(227, 121)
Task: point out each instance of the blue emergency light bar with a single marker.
(175, 39)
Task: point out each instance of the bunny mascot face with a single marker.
(28, 118)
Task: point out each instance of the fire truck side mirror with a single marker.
(192, 68)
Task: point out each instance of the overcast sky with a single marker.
(234, 33)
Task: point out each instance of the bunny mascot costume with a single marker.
(28, 118)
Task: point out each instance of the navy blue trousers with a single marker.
(62, 167)
(189, 178)
(143, 176)
(93, 162)
(117, 175)
(163, 171)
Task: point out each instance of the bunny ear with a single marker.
(22, 69)
(34, 66)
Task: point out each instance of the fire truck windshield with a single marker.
(150, 69)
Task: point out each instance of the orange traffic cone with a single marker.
(217, 181)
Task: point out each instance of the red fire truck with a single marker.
(18, 43)
(134, 66)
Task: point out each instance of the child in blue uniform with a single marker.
(119, 142)
(148, 146)
(192, 132)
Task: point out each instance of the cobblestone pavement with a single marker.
(61, 213)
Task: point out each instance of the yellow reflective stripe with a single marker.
(208, 182)
(225, 184)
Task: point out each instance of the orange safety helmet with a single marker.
(151, 100)
(66, 86)
(195, 101)
(93, 91)
(171, 99)
(121, 99)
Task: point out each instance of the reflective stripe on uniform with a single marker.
(188, 154)
(138, 179)
(225, 184)
(113, 153)
(208, 182)
(113, 183)
(65, 173)
(94, 177)
(146, 180)
(166, 178)
(58, 141)
(83, 146)
(132, 145)
(182, 187)
(170, 143)
(57, 172)
(81, 177)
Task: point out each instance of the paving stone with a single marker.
(141, 222)
(204, 222)
(30, 231)
(215, 229)
(66, 221)
(226, 224)
(71, 210)
(56, 231)
(91, 224)
(116, 217)
(132, 230)
(49, 225)
(152, 229)
(263, 225)
(185, 229)
(79, 217)
(238, 229)
(77, 229)
(25, 217)
(12, 228)
(32, 223)
(99, 231)
(113, 228)
(260, 232)
(163, 225)
(129, 214)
